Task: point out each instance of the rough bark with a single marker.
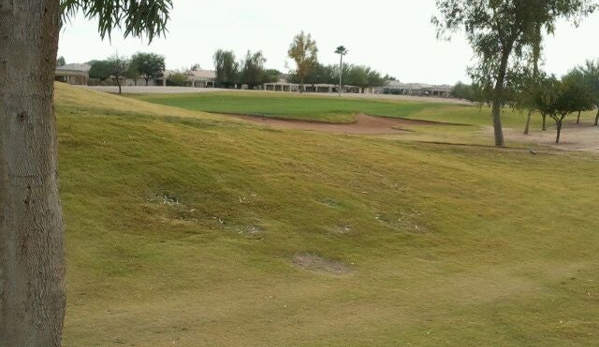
(498, 99)
(32, 299)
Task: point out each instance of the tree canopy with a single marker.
(227, 69)
(501, 33)
(135, 17)
(590, 73)
(304, 52)
(252, 71)
(148, 65)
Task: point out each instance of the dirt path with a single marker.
(363, 125)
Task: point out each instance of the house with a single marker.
(417, 89)
(77, 74)
(195, 78)
(201, 78)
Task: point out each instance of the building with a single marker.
(283, 86)
(77, 74)
(416, 89)
(195, 78)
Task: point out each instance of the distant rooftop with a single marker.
(74, 67)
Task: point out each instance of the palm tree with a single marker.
(341, 50)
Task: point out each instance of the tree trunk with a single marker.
(302, 85)
(536, 56)
(597, 117)
(527, 127)
(32, 268)
(147, 81)
(544, 122)
(498, 98)
(118, 83)
(559, 131)
(578, 118)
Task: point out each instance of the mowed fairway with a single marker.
(325, 108)
(190, 229)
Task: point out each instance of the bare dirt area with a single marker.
(364, 124)
(312, 262)
(575, 137)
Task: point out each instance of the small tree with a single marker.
(177, 79)
(363, 77)
(118, 67)
(100, 69)
(320, 74)
(227, 69)
(590, 73)
(271, 76)
(149, 65)
(557, 99)
(61, 62)
(252, 72)
(304, 52)
(545, 97)
(133, 72)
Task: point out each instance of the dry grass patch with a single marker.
(313, 262)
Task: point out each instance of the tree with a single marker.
(118, 67)
(100, 69)
(252, 72)
(133, 72)
(499, 33)
(462, 91)
(149, 65)
(320, 74)
(304, 52)
(364, 77)
(545, 97)
(227, 69)
(61, 61)
(342, 51)
(388, 77)
(590, 72)
(177, 79)
(557, 99)
(271, 76)
(32, 266)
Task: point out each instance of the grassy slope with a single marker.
(448, 246)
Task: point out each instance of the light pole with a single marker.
(341, 50)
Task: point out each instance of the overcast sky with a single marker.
(392, 36)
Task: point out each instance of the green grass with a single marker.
(182, 227)
(330, 109)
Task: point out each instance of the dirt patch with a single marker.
(364, 124)
(312, 262)
(575, 137)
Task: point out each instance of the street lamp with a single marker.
(341, 50)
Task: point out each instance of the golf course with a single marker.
(190, 221)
